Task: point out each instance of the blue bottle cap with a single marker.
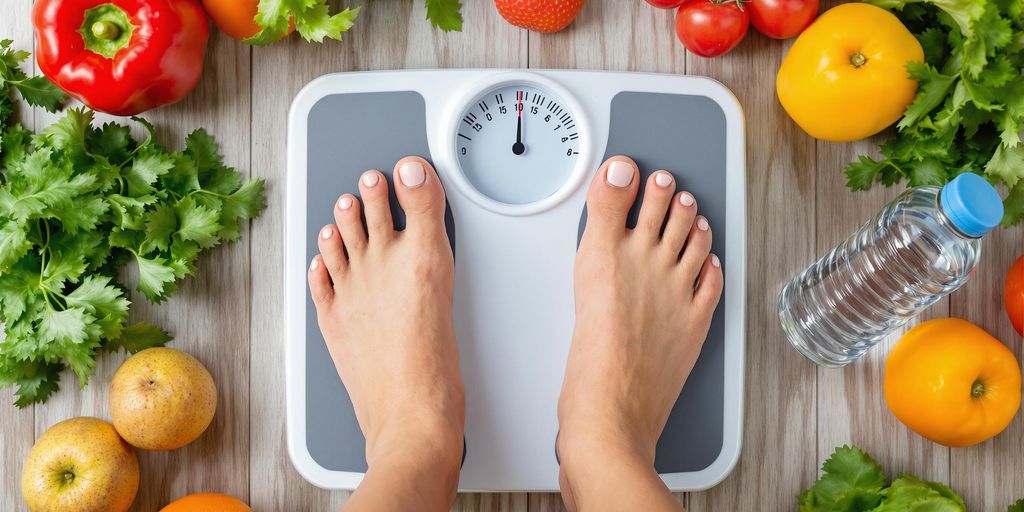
(972, 204)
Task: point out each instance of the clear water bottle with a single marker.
(921, 247)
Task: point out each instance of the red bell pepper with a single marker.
(122, 57)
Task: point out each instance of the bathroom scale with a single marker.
(515, 151)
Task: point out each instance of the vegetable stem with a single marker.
(106, 30)
(858, 59)
(977, 389)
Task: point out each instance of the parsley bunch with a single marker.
(852, 482)
(969, 110)
(79, 202)
(313, 20)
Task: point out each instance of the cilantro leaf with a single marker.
(1013, 206)
(1016, 507)
(144, 172)
(99, 298)
(1007, 164)
(445, 15)
(849, 476)
(141, 336)
(161, 223)
(196, 223)
(156, 278)
(312, 18)
(932, 91)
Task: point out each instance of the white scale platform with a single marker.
(515, 214)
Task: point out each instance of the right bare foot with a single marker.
(644, 302)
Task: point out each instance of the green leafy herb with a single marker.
(77, 203)
(968, 114)
(852, 481)
(445, 14)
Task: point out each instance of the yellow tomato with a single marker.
(845, 77)
(952, 382)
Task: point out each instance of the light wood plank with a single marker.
(990, 475)
(851, 402)
(778, 458)
(208, 316)
(18, 424)
(388, 35)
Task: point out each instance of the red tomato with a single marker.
(666, 4)
(782, 19)
(711, 28)
(1014, 295)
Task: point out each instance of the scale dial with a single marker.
(517, 144)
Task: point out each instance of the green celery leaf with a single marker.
(908, 493)
(848, 471)
(156, 278)
(197, 223)
(129, 212)
(1013, 206)
(933, 41)
(73, 324)
(69, 132)
(145, 170)
(932, 91)
(927, 172)
(14, 244)
(1007, 164)
(104, 301)
(445, 15)
(161, 223)
(141, 336)
(317, 23)
(39, 386)
(245, 203)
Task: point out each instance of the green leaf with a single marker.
(1013, 206)
(932, 91)
(69, 132)
(72, 324)
(860, 175)
(145, 170)
(141, 336)
(113, 141)
(203, 150)
(1016, 507)
(197, 223)
(107, 303)
(1007, 164)
(445, 15)
(927, 172)
(161, 223)
(908, 493)
(156, 278)
(37, 387)
(14, 244)
(316, 24)
(849, 475)
(245, 203)
(312, 20)
(84, 214)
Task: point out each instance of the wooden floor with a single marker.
(229, 315)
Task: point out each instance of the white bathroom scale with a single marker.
(515, 151)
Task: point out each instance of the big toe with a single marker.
(611, 196)
(420, 193)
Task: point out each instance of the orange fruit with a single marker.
(952, 382)
(207, 502)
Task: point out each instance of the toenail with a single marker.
(702, 224)
(412, 174)
(717, 263)
(620, 174)
(326, 233)
(315, 264)
(344, 203)
(686, 199)
(370, 179)
(663, 179)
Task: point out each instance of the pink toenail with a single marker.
(326, 233)
(412, 174)
(717, 263)
(344, 203)
(620, 174)
(370, 179)
(315, 264)
(702, 224)
(686, 199)
(663, 179)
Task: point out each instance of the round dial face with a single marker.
(517, 144)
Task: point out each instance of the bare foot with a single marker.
(384, 304)
(644, 302)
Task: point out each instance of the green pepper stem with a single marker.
(106, 30)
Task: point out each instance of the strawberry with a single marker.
(539, 15)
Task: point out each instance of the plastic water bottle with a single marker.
(921, 247)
